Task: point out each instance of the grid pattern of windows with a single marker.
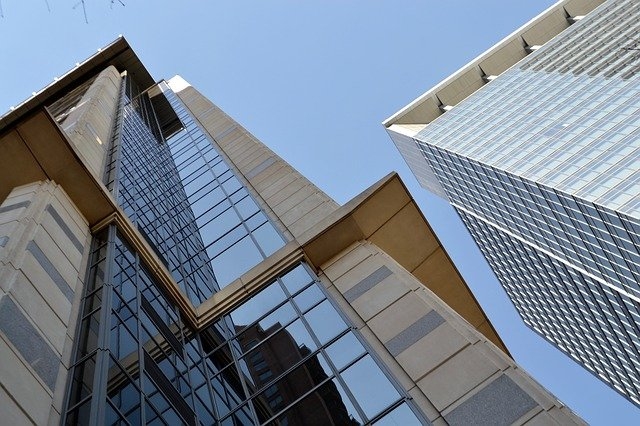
(542, 164)
(576, 131)
(599, 333)
(283, 357)
(235, 232)
(588, 321)
(604, 243)
(184, 198)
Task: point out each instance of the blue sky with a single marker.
(313, 80)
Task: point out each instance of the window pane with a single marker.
(344, 350)
(400, 416)
(370, 387)
(325, 321)
(258, 305)
(237, 260)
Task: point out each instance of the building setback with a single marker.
(536, 144)
(160, 265)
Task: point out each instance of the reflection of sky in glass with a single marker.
(369, 386)
(325, 321)
(236, 234)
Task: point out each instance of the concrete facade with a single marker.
(42, 259)
(378, 260)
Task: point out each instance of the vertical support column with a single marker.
(90, 124)
(42, 259)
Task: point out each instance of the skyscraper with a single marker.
(536, 144)
(159, 265)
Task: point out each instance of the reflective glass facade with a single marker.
(542, 165)
(185, 199)
(284, 356)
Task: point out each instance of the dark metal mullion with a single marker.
(115, 149)
(207, 376)
(141, 370)
(236, 362)
(101, 377)
(117, 410)
(95, 248)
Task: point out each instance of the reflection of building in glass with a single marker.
(541, 163)
(161, 266)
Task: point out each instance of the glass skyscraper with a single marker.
(159, 265)
(536, 144)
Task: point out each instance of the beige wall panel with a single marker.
(41, 266)
(46, 320)
(21, 383)
(453, 379)
(312, 218)
(431, 351)
(402, 242)
(435, 354)
(12, 414)
(89, 126)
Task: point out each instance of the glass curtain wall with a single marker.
(185, 199)
(285, 356)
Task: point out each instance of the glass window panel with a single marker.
(235, 261)
(369, 386)
(268, 238)
(296, 279)
(344, 350)
(309, 297)
(226, 241)
(266, 326)
(231, 185)
(292, 386)
(206, 202)
(400, 416)
(256, 220)
(82, 384)
(325, 322)
(247, 207)
(328, 405)
(219, 226)
(80, 416)
(258, 305)
(289, 345)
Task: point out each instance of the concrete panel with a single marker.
(29, 342)
(50, 325)
(416, 331)
(51, 270)
(256, 170)
(18, 380)
(298, 211)
(398, 317)
(501, 402)
(431, 351)
(358, 272)
(440, 276)
(379, 297)
(12, 414)
(351, 257)
(62, 224)
(456, 377)
(367, 283)
(401, 241)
